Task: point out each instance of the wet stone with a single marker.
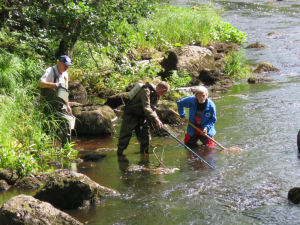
(3, 185)
(55, 163)
(29, 183)
(94, 157)
(294, 195)
(256, 80)
(24, 209)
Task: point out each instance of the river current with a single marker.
(262, 119)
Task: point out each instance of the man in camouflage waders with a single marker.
(137, 112)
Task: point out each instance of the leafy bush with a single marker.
(236, 65)
(225, 32)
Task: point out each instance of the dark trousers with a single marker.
(141, 128)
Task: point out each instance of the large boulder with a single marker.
(209, 77)
(70, 190)
(77, 91)
(168, 116)
(94, 119)
(222, 47)
(117, 100)
(189, 59)
(27, 210)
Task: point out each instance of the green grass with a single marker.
(23, 141)
(176, 25)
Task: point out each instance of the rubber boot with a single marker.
(120, 152)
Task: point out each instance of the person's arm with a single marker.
(69, 109)
(47, 80)
(145, 98)
(181, 104)
(212, 119)
(45, 84)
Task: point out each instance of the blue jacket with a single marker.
(209, 117)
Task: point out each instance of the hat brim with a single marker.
(68, 64)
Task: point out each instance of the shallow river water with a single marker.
(261, 119)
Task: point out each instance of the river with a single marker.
(262, 119)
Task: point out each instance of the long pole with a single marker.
(188, 148)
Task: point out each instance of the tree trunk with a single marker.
(66, 47)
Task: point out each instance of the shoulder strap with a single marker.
(55, 74)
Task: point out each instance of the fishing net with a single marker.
(232, 151)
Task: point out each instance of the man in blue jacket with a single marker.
(202, 114)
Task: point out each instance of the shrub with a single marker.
(236, 65)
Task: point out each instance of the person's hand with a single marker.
(205, 131)
(185, 120)
(55, 85)
(158, 123)
(69, 109)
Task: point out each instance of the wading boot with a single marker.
(144, 150)
(120, 152)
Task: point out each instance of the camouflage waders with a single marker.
(141, 128)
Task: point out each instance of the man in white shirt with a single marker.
(53, 78)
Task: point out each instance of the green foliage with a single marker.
(15, 71)
(225, 32)
(131, 73)
(10, 72)
(99, 72)
(175, 81)
(236, 65)
(65, 22)
(23, 141)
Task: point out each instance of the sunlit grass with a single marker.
(171, 25)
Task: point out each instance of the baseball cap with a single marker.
(65, 59)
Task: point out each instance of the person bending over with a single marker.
(137, 112)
